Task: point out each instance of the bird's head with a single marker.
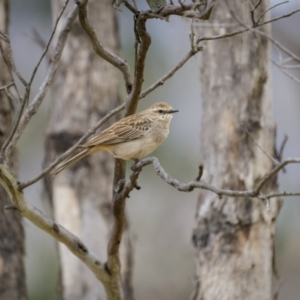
(162, 111)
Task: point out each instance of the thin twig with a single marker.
(274, 171)
(48, 43)
(134, 4)
(286, 72)
(280, 46)
(289, 66)
(5, 150)
(113, 59)
(253, 11)
(275, 161)
(91, 131)
(270, 9)
(168, 75)
(6, 86)
(283, 144)
(226, 35)
(133, 8)
(8, 58)
(36, 102)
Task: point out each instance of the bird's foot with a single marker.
(133, 167)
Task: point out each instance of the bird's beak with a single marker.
(173, 111)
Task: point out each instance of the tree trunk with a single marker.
(12, 274)
(234, 237)
(85, 89)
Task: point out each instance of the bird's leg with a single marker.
(134, 169)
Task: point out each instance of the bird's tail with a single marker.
(70, 161)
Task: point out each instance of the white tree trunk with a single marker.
(234, 237)
(85, 89)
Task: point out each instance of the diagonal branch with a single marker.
(49, 42)
(36, 102)
(279, 45)
(168, 75)
(99, 49)
(8, 58)
(93, 129)
(69, 152)
(55, 230)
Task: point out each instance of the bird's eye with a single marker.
(160, 111)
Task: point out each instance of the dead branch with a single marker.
(252, 29)
(61, 234)
(226, 35)
(8, 58)
(168, 75)
(72, 149)
(99, 49)
(201, 184)
(48, 43)
(36, 102)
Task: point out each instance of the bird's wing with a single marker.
(120, 132)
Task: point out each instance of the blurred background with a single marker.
(161, 218)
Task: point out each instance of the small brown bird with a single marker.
(133, 137)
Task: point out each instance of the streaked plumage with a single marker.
(133, 137)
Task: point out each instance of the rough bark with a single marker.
(84, 91)
(234, 237)
(12, 274)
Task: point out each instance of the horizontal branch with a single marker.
(200, 184)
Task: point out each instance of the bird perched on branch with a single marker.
(133, 137)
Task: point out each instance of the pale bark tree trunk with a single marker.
(234, 237)
(12, 273)
(85, 89)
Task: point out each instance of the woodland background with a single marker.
(161, 218)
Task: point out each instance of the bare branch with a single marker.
(274, 171)
(260, 17)
(280, 153)
(48, 43)
(8, 58)
(253, 11)
(200, 184)
(5, 147)
(282, 68)
(221, 36)
(275, 161)
(144, 44)
(280, 46)
(33, 107)
(162, 80)
(282, 194)
(91, 131)
(57, 231)
(99, 49)
(5, 87)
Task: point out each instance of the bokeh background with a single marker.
(161, 218)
